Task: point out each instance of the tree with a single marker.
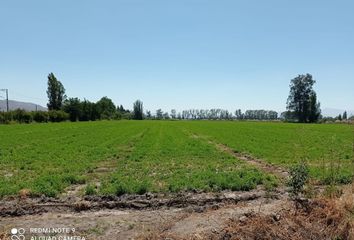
(89, 111)
(73, 107)
(173, 114)
(106, 108)
(148, 114)
(166, 115)
(121, 109)
(345, 115)
(159, 114)
(238, 114)
(299, 100)
(339, 117)
(55, 92)
(315, 111)
(138, 110)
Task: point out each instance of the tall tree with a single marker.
(299, 100)
(148, 114)
(55, 92)
(138, 110)
(345, 115)
(173, 114)
(315, 111)
(89, 111)
(159, 114)
(73, 107)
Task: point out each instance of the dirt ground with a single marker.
(184, 221)
(236, 216)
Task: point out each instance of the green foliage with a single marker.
(106, 108)
(279, 143)
(57, 116)
(160, 156)
(21, 116)
(40, 116)
(299, 175)
(159, 114)
(138, 110)
(89, 111)
(302, 100)
(314, 109)
(345, 115)
(55, 92)
(73, 107)
(90, 190)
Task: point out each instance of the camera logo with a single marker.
(17, 234)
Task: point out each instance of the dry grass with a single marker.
(323, 221)
(321, 218)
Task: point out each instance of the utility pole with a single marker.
(7, 98)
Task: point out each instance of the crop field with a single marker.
(326, 148)
(117, 157)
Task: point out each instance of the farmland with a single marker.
(117, 157)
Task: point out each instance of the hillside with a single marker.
(22, 105)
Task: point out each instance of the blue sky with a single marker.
(179, 54)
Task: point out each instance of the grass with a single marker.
(46, 158)
(168, 159)
(162, 156)
(327, 148)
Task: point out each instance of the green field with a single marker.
(161, 156)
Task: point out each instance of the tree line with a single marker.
(212, 114)
(79, 110)
(302, 106)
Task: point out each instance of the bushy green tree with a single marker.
(173, 114)
(148, 115)
(40, 116)
(57, 116)
(73, 107)
(55, 92)
(106, 108)
(159, 114)
(89, 111)
(302, 100)
(21, 116)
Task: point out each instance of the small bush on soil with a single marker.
(90, 190)
(299, 175)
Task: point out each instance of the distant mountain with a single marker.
(22, 105)
(334, 112)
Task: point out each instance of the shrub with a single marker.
(2, 118)
(121, 189)
(90, 190)
(299, 175)
(58, 116)
(40, 116)
(21, 116)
